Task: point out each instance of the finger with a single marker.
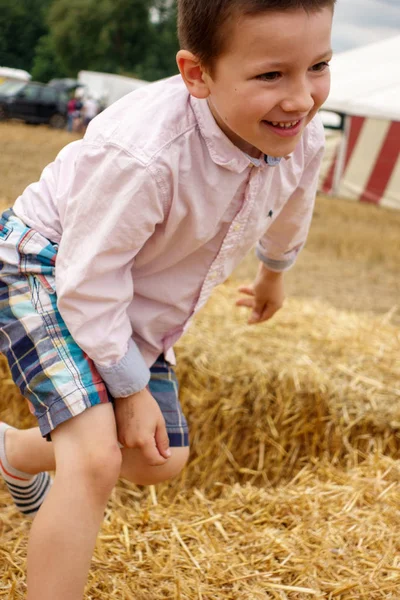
(151, 454)
(245, 289)
(162, 440)
(269, 312)
(256, 315)
(249, 302)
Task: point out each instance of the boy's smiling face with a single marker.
(272, 79)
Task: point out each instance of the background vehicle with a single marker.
(33, 103)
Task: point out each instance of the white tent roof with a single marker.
(107, 86)
(366, 81)
(10, 73)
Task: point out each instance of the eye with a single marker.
(321, 66)
(272, 76)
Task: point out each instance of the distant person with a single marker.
(90, 110)
(107, 258)
(78, 116)
(71, 110)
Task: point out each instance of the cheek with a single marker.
(322, 90)
(235, 110)
(252, 107)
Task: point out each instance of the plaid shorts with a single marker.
(56, 377)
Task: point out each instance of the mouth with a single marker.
(284, 124)
(284, 128)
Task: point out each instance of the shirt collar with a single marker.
(222, 151)
(271, 161)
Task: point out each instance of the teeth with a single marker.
(284, 125)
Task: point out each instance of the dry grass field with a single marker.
(292, 490)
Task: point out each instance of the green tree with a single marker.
(100, 35)
(163, 45)
(47, 63)
(131, 37)
(58, 38)
(22, 24)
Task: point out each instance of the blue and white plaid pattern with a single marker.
(163, 386)
(52, 372)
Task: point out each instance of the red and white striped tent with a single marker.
(365, 89)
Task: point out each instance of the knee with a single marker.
(99, 471)
(87, 453)
(135, 470)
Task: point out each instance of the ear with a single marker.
(193, 74)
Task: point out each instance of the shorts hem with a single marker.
(59, 413)
(178, 440)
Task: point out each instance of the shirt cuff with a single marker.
(275, 265)
(128, 376)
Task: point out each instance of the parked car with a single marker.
(33, 103)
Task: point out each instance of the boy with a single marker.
(170, 188)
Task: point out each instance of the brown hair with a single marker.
(202, 23)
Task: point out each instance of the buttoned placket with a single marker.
(214, 275)
(232, 239)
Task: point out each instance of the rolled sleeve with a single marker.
(128, 376)
(274, 265)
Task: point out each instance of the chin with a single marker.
(278, 153)
(282, 150)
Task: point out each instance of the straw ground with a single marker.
(293, 485)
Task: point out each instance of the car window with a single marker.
(49, 95)
(9, 88)
(30, 92)
(64, 97)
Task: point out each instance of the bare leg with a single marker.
(134, 469)
(64, 532)
(88, 462)
(27, 451)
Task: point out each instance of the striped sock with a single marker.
(27, 491)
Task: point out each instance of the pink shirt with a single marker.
(153, 209)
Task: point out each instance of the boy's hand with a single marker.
(141, 425)
(266, 295)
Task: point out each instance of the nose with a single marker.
(298, 98)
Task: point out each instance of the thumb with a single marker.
(162, 440)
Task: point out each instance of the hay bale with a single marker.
(13, 408)
(288, 494)
(326, 535)
(266, 400)
(263, 401)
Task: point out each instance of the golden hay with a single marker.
(288, 495)
(327, 534)
(25, 151)
(263, 401)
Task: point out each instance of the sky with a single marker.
(360, 22)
